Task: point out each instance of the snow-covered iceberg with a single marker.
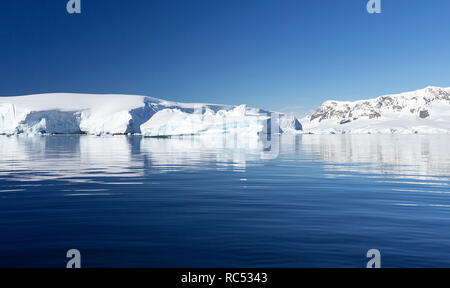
(425, 111)
(62, 113)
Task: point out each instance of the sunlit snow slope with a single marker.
(61, 113)
(425, 111)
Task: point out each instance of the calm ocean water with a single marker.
(310, 201)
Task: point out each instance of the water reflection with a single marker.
(418, 157)
(74, 157)
(81, 158)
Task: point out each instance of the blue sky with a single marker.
(274, 54)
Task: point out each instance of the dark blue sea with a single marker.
(223, 201)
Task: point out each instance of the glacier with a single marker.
(98, 114)
(424, 111)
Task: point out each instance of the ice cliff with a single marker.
(62, 113)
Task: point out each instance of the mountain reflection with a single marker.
(408, 156)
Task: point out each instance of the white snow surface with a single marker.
(425, 111)
(66, 113)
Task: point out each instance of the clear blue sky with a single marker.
(265, 53)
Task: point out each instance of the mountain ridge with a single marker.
(425, 110)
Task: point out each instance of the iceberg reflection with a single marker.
(84, 158)
(87, 159)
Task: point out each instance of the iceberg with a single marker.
(64, 113)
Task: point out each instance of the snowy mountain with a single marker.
(425, 111)
(124, 114)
